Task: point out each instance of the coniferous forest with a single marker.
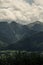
(21, 58)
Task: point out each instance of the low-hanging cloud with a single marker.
(21, 10)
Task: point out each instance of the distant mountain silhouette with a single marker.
(21, 37)
(13, 32)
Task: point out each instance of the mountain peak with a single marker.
(36, 26)
(37, 22)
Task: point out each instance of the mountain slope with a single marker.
(13, 32)
(22, 37)
(33, 43)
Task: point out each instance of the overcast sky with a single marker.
(22, 11)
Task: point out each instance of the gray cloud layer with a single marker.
(22, 11)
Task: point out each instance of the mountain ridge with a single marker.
(12, 33)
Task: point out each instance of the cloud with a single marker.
(21, 10)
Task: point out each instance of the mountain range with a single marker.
(15, 36)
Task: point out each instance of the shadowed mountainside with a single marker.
(32, 43)
(21, 37)
(13, 32)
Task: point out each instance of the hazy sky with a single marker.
(22, 11)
